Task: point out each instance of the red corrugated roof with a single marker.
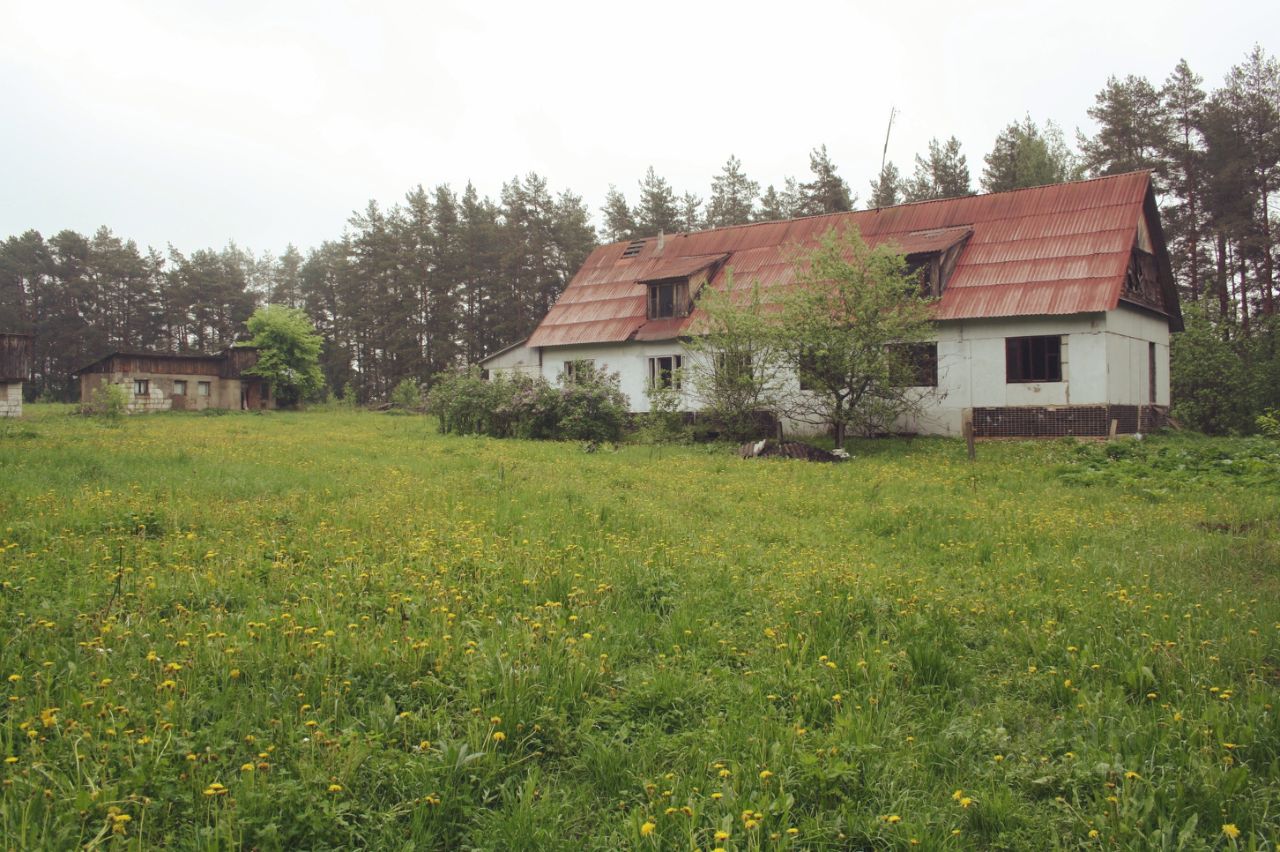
(1059, 249)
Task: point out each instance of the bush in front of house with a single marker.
(590, 407)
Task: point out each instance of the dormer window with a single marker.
(669, 298)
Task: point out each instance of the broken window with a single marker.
(633, 248)
(141, 387)
(573, 370)
(1033, 359)
(179, 387)
(919, 365)
(669, 299)
(665, 370)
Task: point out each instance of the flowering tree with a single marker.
(850, 325)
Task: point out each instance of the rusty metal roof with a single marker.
(1058, 249)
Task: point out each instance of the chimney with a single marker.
(661, 241)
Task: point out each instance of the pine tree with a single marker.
(945, 174)
(1183, 102)
(1024, 155)
(619, 220)
(827, 192)
(690, 213)
(657, 209)
(1133, 130)
(286, 279)
(886, 190)
(733, 196)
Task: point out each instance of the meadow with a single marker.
(329, 630)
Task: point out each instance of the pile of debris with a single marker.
(769, 448)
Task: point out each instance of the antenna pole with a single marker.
(884, 155)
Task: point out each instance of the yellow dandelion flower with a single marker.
(1230, 830)
(647, 828)
(335, 788)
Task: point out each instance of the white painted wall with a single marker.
(1104, 360)
(516, 359)
(1130, 331)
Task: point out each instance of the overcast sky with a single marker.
(266, 123)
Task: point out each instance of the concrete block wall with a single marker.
(10, 399)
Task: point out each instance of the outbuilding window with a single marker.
(141, 387)
(202, 388)
(179, 387)
(1033, 359)
(920, 365)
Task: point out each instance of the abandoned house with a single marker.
(1053, 313)
(158, 381)
(15, 368)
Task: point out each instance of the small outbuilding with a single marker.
(160, 381)
(15, 368)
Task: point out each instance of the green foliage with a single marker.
(589, 408)
(736, 359)
(846, 325)
(1025, 155)
(1208, 380)
(1268, 423)
(592, 407)
(109, 401)
(664, 422)
(407, 395)
(288, 353)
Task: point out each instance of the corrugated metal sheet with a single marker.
(1060, 249)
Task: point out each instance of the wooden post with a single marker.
(1115, 427)
(966, 425)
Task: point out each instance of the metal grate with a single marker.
(1058, 421)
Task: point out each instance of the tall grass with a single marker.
(342, 630)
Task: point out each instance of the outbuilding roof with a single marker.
(1057, 249)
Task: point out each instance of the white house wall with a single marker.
(1130, 331)
(1104, 361)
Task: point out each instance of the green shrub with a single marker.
(589, 408)
(664, 423)
(407, 395)
(592, 406)
(109, 402)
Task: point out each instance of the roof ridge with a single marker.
(744, 226)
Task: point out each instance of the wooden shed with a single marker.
(15, 368)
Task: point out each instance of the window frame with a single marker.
(671, 378)
(179, 387)
(1033, 359)
(142, 387)
(922, 361)
(679, 307)
(204, 389)
(569, 374)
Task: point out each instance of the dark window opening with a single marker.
(633, 248)
(668, 299)
(141, 387)
(919, 366)
(922, 268)
(1033, 359)
(664, 371)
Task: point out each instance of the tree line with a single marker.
(446, 277)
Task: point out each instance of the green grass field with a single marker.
(341, 630)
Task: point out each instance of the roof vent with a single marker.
(633, 249)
